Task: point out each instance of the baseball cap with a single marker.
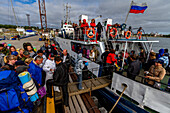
(14, 53)
(26, 53)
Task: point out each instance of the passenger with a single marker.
(142, 57)
(96, 52)
(60, 78)
(161, 52)
(49, 67)
(110, 62)
(30, 50)
(5, 49)
(92, 55)
(48, 49)
(15, 54)
(155, 73)
(129, 61)
(84, 26)
(2, 63)
(104, 56)
(80, 50)
(73, 48)
(59, 52)
(93, 24)
(40, 53)
(133, 68)
(76, 31)
(11, 49)
(36, 71)
(21, 55)
(28, 61)
(11, 59)
(66, 59)
(78, 68)
(84, 51)
(151, 61)
(166, 52)
(43, 49)
(88, 53)
(165, 59)
(80, 23)
(99, 30)
(85, 74)
(19, 63)
(139, 30)
(26, 55)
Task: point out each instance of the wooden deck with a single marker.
(89, 85)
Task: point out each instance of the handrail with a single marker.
(143, 78)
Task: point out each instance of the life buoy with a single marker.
(89, 33)
(111, 32)
(128, 34)
(139, 34)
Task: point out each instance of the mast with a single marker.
(43, 17)
(14, 14)
(128, 12)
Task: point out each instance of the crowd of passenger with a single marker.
(154, 67)
(48, 66)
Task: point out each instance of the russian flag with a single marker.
(138, 8)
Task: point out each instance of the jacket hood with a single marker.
(161, 52)
(84, 20)
(79, 56)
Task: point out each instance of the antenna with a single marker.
(67, 9)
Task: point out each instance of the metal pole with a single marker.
(124, 54)
(128, 12)
(14, 13)
(149, 52)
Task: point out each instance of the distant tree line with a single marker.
(14, 26)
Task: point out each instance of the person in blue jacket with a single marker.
(36, 71)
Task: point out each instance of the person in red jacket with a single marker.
(84, 26)
(110, 61)
(93, 24)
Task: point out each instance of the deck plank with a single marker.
(72, 109)
(76, 105)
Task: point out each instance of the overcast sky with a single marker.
(155, 19)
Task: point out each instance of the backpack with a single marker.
(12, 98)
(8, 95)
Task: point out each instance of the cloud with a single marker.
(155, 19)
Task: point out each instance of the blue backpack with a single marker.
(8, 95)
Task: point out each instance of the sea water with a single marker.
(163, 43)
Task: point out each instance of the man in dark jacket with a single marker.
(60, 78)
(99, 30)
(134, 68)
(104, 56)
(65, 57)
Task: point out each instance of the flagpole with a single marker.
(128, 12)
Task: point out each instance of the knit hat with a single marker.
(21, 69)
(159, 61)
(19, 62)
